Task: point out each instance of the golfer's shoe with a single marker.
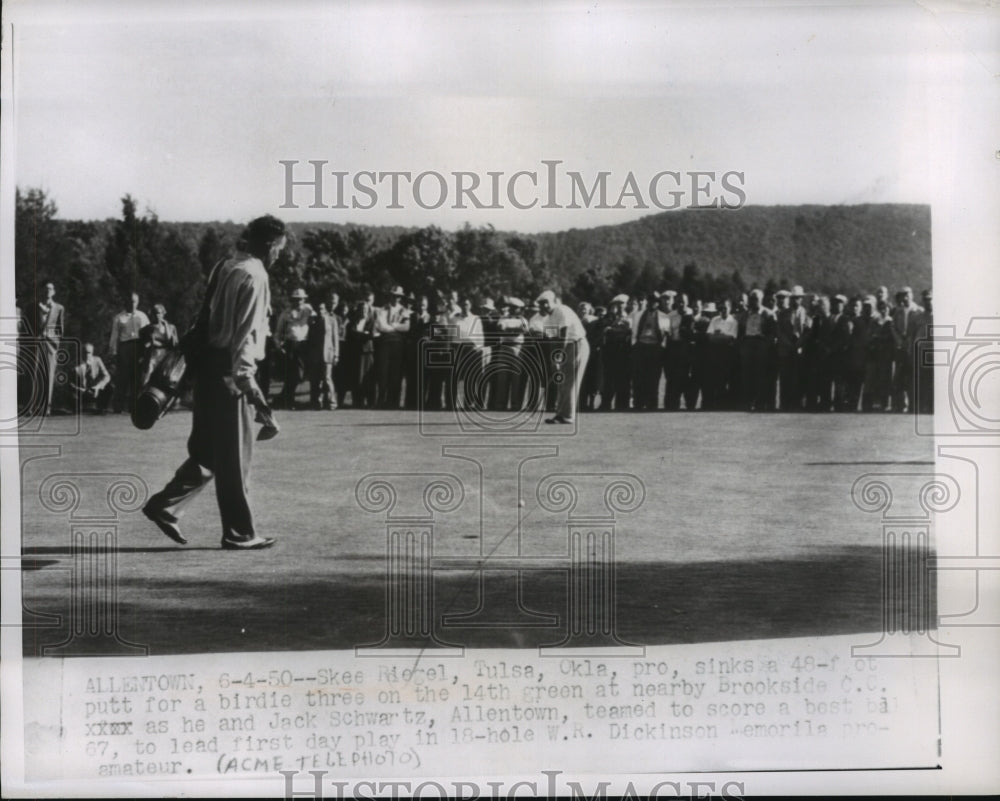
(164, 521)
(558, 419)
(255, 544)
(267, 432)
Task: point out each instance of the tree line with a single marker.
(708, 255)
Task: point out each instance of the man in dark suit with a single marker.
(649, 343)
(757, 331)
(322, 353)
(392, 323)
(616, 346)
(414, 370)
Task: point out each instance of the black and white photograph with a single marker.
(596, 397)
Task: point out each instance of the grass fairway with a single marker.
(747, 529)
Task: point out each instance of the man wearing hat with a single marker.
(291, 338)
(649, 342)
(564, 328)
(234, 314)
(392, 322)
(616, 346)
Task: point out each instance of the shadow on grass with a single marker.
(68, 550)
(838, 591)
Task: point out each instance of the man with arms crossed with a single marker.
(225, 391)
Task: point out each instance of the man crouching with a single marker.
(228, 340)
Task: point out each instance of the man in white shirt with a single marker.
(235, 313)
(392, 322)
(723, 328)
(467, 330)
(291, 338)
(570, 338)
(124, 348)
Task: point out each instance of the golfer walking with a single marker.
(233, 324)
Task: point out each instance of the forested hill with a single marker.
(708, 254)
(825, 248)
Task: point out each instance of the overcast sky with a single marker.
(192, 111)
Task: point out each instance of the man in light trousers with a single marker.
(570, 339)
